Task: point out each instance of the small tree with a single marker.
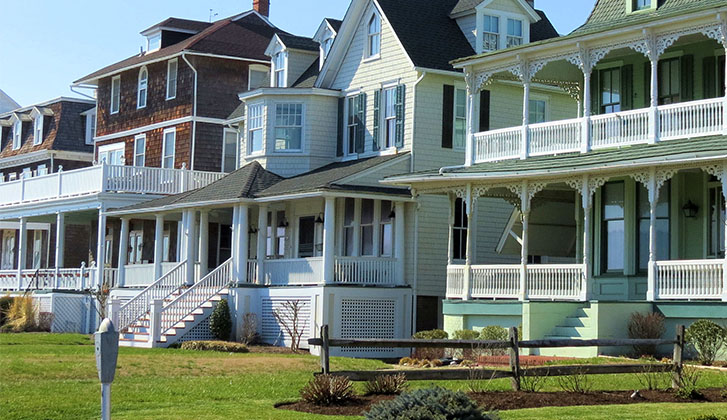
(707, 338)
(647, 326)
(248, 329)
(289, 317)
(220, 321)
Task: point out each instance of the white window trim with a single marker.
(258, 68)
(544, 98)
(454, 117)
(176, 78)
(248, 129)
(17, 134)
(348, 154)
(90, 128)
(111, 148)
(149, 38)
(145, 88)
(136, 155)
(237, 147)
(38, 126)
(275, 69)
(164, 146)
(502, 29)
(383, 129)
(367, 53)
(302, 128)
(111, 102)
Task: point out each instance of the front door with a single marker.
(8, 254)
(37, 248)
(136, 246)
(306, 237)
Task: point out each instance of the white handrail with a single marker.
(555, 281)
(365, 270)
(691, 279)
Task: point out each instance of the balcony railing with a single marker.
(669, 122)
(104, 178)
(309, 271)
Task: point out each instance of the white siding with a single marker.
(298, 63)
(468, 25)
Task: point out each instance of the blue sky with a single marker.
(47, 44)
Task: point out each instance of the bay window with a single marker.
(255, 129)
(288, 127)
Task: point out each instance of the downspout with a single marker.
(194, 112)
(412, 167)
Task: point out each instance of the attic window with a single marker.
(279, 68)
(142, 88)
(373, 48)
(17, 134)
(642, 4)
(514, 32)
(154, 42)
(38, 130)
(490, 33)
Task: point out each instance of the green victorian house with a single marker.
(619, 209)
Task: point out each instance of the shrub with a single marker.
(433, 403)
(45, 321)
(652, 378)
(22, 316)
(224, 346)
(468, 354)
(220, 321)
(707, 338)
(533, 383)
(494, 333)
(578, 382)
(5, 303)
(646, 326)
(429, 353)
(248, 330)
(431, 335)
(387, 385)
(689, 379)
(465, 335)
(327, 390)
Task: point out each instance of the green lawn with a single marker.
(44, 376)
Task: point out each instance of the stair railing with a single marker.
(160, 289)
(195, 296)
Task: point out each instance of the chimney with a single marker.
(262, 7)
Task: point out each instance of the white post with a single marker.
(399, 240)
(724, 265)
(22, 243)
(204, 242)
(155, 321)
(450, 232)
(654, 102)
(587, 204)
(524, 255)
(524, 152)
(181, 226)
(653, 191)
(262, 225)
(60, 245)
(242, 239)
(468, 250)
(158, 245)
(100, 247)
(106, 401)
(470, 146)
(189, 245)
(586, 127)
(329, 223)
(123, 250)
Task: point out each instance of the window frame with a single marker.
(373, 38)
(461, 208)
(388, 122)
(257, 68)
(115, 97)
(546, 108)
(226, 131)
(137, 138)
(604, 231)
(113, 147)
(459, 90)
(142, 86)
(251, 128)
(496, 35)
(280, 69)
(520, 39)
(386, 222)
(90, 126)
(171, 130)
(301, 127)
(41, 170)
(38, 127)
(351, 124)
(601, 90)
(175, 63)
(17, 134)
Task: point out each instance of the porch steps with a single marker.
(580, 325)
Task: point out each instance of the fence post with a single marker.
(325, 351)
(514, 359)
(678, 357)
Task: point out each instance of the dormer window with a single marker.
(642, 4)
(38, 130)
(490, 33)
(90, 126)
(279, 60)
(17, 133)
(514, 32)
(373, 47)
(142, 88)
(259, 76)
(326, 48)
(154, 42)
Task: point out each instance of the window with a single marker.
(348, 219)
(112, 154)
(140, 150)
(326, 47)
(288, 126)
(642, 4)
(537, 111)
(356, 123)
(2, 177)
(459, 231)
(367, 227)
(41, 170)
(27, 173)
(172, 67)
(255, 130)
(275, 234)
(154, 42)
(258, 78)
(669, 81)
(717, 222)
(17, 134)
(90, 127)
(460, 118)
(12, 176)
(115, 94)
(373, 47)
(386, 232)
(229, 159)
(613, 244)
(141, 89)
(170, 140)
(389, 117)
(279, 66)
(514, 32)
(662, 226)
(306, 236)
(610, 90)
(490, 33)
(38, 130)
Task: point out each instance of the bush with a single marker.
(578, 382)
(327, 390)
(465, 335)
(429, 354)
(220, 321)
(248, 330)
(689, 379)
(45, 321)
(224, 346)
(433, 403)
(431, 335)
(5, 303)
(707, 338)
(494, 333)
(387, 385)
(646, 326)
(22, 316)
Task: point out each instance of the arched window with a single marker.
(142, 89)
(374, 31)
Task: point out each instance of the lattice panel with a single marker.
(201, 332)
(368, 318)
(272, 332)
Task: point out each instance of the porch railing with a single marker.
(495, 281)
(301, 271)
(252, 271)
(555, 282)
(674, 121)
(363, 270)
(694, 279)
(76, 279)
(138, 275)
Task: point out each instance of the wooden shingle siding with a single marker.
(208, 147)
(219, 83)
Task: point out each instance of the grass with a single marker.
(44, 376)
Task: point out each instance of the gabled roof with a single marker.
(465, 7)
(309, 77)
(295, 42)
(245, 37)
(173, 23)
(7, 103)
(335, 23)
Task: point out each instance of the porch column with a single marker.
(242, 241)
(653, 191)
(586, 127)
(101, 246)
(450, 232)
(468, 248)
(654, 102)
(579, 225)
(587, 205)
(723, 179)
(123, 250)
(524, 152)
(189, 245)
(22, 243)
(399, 240)
(524, 255)
(262, 226)
(60, 244)
(329, 226)
(181, 226)
(204, 242)
(471, 96)
(158, 246)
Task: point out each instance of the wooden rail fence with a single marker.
(513, 345)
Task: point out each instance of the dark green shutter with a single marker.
(484, 110)
(361, 122)
(647, 84)
(595, 93)
(686, 89)
(341, 124)
(447, 116)
(377, 120)
(400, 115)
(709, 76)
(627, 87)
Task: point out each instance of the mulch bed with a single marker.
(525, 361)
(509, 400)
(273, 350)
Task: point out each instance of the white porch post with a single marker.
(587, 204)
(585, 65)
(181, 226)
(654, 102)
(399, 240)
(471, 95)
(329, 226)
(158, 246)
(524, 248)
(468, 249)
(60, 244)
(123, 250)
(653, 191)
(22, 243)
(262, 226)
(204, 242)
(579, 225)
(723, 179)
(101, 246)
(241, 241)
(524, 152)
(189, 245)
(450, 232)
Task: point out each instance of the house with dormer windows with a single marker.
(619, 205)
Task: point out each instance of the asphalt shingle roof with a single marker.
(335, 23)
(183, 24)
(299, 42)
(308, 78)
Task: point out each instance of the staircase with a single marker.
(581, 325)
(168, 319)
